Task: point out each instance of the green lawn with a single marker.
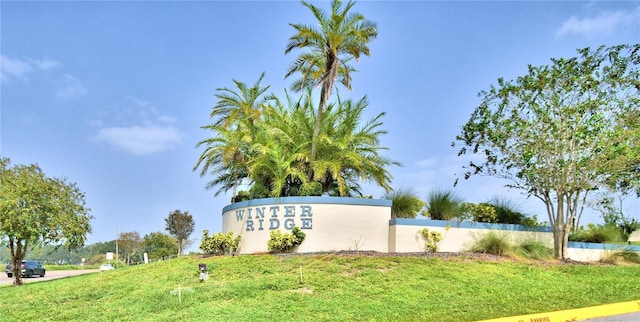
(321, 287)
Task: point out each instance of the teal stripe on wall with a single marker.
(308, 201)
(464, 224)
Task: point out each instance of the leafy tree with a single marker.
(159, 245)
(130, 243)
(610, 206)
(554, 133)
(180, 225)
(405, 203)
(39, 210)
(626, 152)
(341, 36)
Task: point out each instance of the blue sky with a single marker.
(112, 95)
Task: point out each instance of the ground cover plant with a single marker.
(329, 287)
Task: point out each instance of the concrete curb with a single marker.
(576, 314)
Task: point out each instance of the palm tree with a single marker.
(280, 150)
(349, 150)
(235, 118)
(341, 36)
(245, 104)
(272, 152)
(224, 158)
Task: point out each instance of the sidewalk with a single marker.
(617, 312)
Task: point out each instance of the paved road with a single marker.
(628, 317)
(49, 275)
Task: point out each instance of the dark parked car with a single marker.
(28, 269)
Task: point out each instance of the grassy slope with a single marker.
(269, 288)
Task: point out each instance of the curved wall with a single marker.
(330, 223)
(333, 224)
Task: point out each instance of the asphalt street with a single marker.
(49, 275)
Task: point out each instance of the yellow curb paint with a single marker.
(575, 314)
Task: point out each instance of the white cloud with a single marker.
(45, 64)
(604, 24)
(428, 163)
(70, 87)
(20, 68)
(141, 140)
(13, 68)
(148, 130)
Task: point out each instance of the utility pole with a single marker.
(116, 245)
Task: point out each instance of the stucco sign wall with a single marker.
(330, 223)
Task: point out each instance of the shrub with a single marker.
(533, 222)
(404, 203)
(492, 243)
(443, 205)
(242, 196)
(533, 249)
(219, 244)
(310, 189)
(629, 255)
(596, 234)
(506, 211)
(280, 242)
(258, 191)
(626, 255)
(478, 212)
(432, 239)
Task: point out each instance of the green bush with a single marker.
(404, 203)
(242, 196)
(533, 249)
(280, 242)
(310, 189)
(596, 234)
(478, 212)
(492, 243)
(219, 244)
(432, 239)
(627, 255)
(630, 256)
(443, 205)
(533, 222)
(507, 211)
(258, 191)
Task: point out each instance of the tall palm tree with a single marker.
(224, 158)
(279, 151)
(235, 118)
(244, 104)
(340, 37)
(350, 150)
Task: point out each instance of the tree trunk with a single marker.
(565, 242)
(558, 237)
(17, 255)
(559, 231)
(324, 97)
(325, 92)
